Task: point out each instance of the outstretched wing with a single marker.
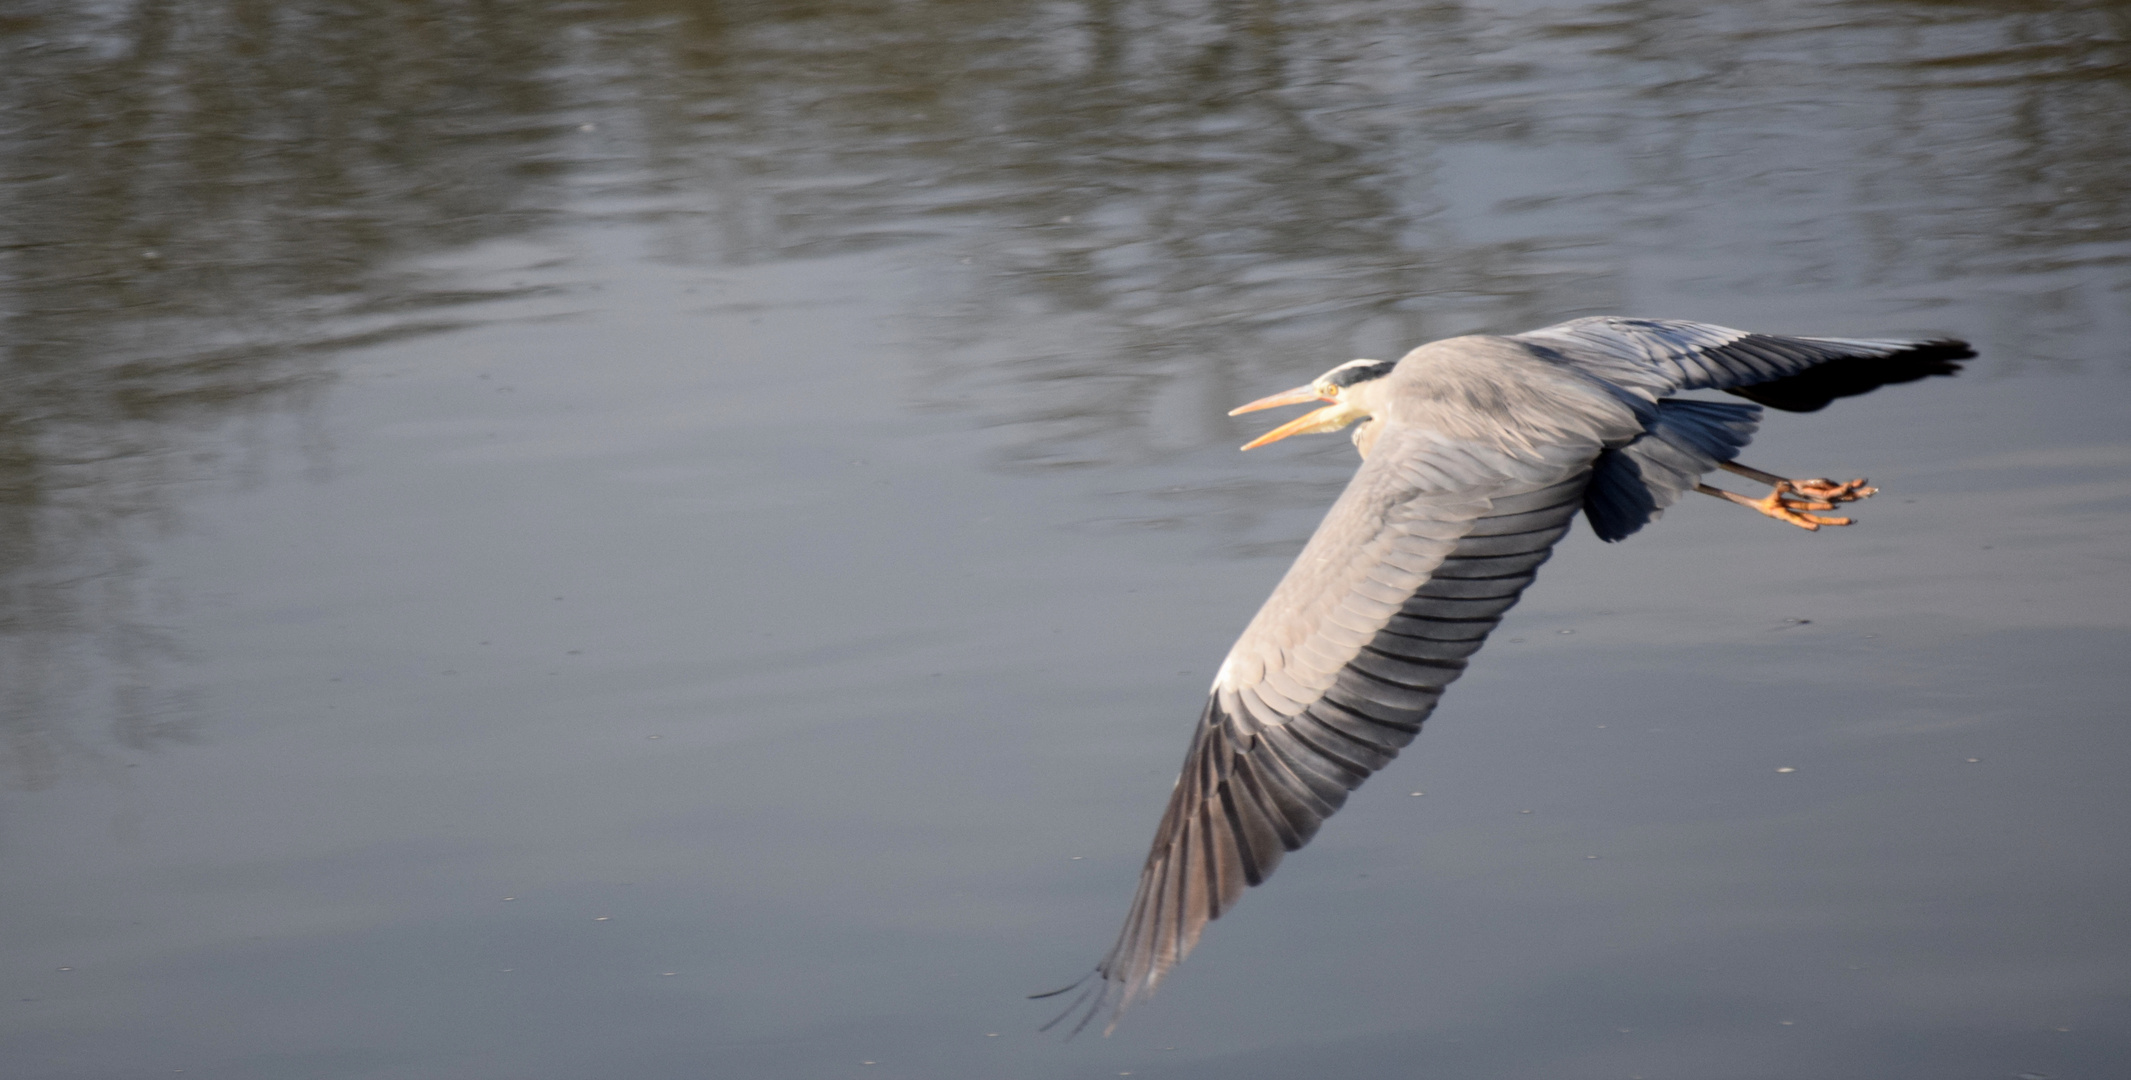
(1656, 357)
(1430, 543)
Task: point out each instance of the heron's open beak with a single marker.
(1330, 418)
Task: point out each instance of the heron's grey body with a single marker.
(1478, 453)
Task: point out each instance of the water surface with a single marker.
(647, 539)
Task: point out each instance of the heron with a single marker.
(1477, 454)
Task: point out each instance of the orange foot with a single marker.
(1788, 500)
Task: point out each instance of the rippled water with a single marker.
(646, 539)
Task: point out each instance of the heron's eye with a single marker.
(1328, 390)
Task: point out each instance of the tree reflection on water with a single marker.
(204, 203)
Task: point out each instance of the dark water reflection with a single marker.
(411, 411)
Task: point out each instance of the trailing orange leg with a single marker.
(1788, 500)
(1823, 489)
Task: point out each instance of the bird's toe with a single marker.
(1784, 503)
(1834, 491)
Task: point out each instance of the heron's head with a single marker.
(1350, 388)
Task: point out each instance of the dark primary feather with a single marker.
(1812, 389)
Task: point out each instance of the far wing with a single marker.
(1430, 543)
(1656, 357)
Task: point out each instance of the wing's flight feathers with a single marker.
(1333, 678)
(1655, 357)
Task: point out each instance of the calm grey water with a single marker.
(637, 539)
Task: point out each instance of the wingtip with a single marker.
(1091, 1003)
(1946, 348)
(1074, 985)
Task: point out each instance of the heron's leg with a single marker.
(1784, 503)
(1820, 488)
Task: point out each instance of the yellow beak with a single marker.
(1330, 418)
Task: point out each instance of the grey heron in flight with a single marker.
(1477, 454)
